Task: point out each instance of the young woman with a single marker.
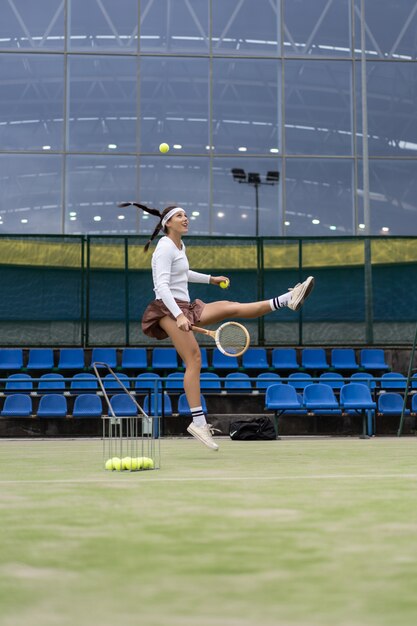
(172, 314)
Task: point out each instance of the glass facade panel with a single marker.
(174, 102)
(180, 26)
(319, 28)
(32, 25)
(390, 29)
(32, 102)
(391, 104)
(319, 197)
(95, 186)
(257, 85)
(179, 180)
(318, 107)
(102, 105)
(248, 27)
(99, 25)
(30, 193)
(246, 116)
(249, 205)
(392, 197)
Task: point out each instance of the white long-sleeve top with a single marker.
(171, 274)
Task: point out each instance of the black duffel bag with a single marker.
(260, 428)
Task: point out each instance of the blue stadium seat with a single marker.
(222, 362)
(285, 359)
(265, 379)
(52, 405)
(280, 399)
(111, 384)
(255, 359)
(11, 359)
(83, 383)
(237, 382)
(175, 382)
(333, 379)
(104, 355)
(414, 381)
(364, 377)
(71, 359)
(123, 405)
(357, 397)
(414, 404)
(319, 396)
(373, 359)
(158, 405)
(210, 382)
(204, 359)
(134, 358)
(164, 359)
(184, 407)
(393, 380)
(314, 359)
(299, 380)
(87, 405)
(391, 404)
(18, 382)
(146, 381)
(344, 359)
(40, 359)
(51, 383)
(17, 405)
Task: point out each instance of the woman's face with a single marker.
(178, 223)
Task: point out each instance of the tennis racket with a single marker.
(232, 339)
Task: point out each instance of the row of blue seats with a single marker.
(91, 405)
(320, 397)
(316, 398)
(343, 359)
(210, 381)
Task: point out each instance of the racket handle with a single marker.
(204, 331)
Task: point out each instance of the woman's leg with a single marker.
(224, 309)
(187, 347)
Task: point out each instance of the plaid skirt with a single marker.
(157, 309)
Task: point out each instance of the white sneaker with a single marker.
(203, 434)
(300, 292)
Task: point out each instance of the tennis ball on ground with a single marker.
(164, 147)
(145, 462)
(127, 463)
(109, 464)
(117, 463)
(224, 284)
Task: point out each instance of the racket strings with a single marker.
(232, 338)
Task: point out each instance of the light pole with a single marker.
(254, 179)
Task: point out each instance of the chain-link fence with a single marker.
(92, 290)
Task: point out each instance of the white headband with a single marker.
(170, 214)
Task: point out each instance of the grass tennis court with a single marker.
(301, 532)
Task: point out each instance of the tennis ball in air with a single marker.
(164, 147)
(116, 463)
(224, 284)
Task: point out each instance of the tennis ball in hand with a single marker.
(164, 147)
(224, 284)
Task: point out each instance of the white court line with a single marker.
(186, 479)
